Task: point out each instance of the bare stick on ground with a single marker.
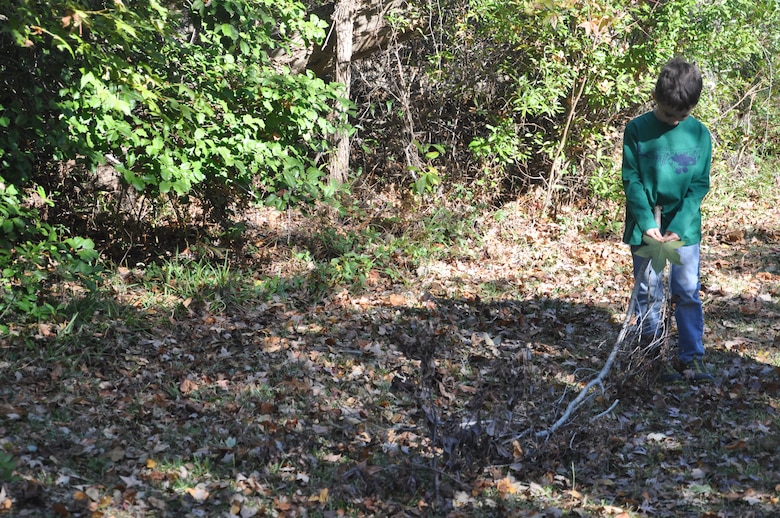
(598, 382)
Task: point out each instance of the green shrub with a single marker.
(179, 97)
(35, 256)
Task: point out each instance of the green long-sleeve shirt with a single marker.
(667, 166)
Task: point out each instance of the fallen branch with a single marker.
(599, 380)
(585, 394)
(605, 412)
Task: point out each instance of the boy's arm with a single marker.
(636, 195)
(696, 192)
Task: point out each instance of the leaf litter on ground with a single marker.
(415, 398)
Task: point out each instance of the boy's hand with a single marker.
(656, 234)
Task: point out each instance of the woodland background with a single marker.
(283, 258)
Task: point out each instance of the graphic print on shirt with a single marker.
(681, 161)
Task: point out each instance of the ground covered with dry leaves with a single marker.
(426, 394)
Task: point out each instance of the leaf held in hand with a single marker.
(660, 252)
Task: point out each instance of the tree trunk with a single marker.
(358, 28)
(371, 32)
(343, 20)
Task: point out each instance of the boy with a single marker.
(666, 163)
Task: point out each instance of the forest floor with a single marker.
(429, 393)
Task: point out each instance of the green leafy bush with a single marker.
(36, 255)
(180, 98)
(531, 93)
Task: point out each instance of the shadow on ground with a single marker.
(385, 405)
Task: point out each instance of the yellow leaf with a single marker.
(150, 463)
(505, 486)
(517, 450)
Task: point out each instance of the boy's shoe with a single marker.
(695, 370)
(669, 375)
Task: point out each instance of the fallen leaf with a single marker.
(56, 371)
(396, 300)
(116, 454)
(321, 497)
(198, 493)
(281, 504)
(506, 486)
(736, 445)
(93, 493)
(248, 511)
(517, 450)
(5, 502)
(188, 386)
(130, 481)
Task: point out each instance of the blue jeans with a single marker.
(684, 283)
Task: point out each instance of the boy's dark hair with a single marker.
(679, 85)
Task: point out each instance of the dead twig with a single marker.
(598, 381)
(586, 393)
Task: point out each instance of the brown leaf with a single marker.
(44, 330)
(517, 450)
(739, 444)
(5, 502)
(396, 300)
(282, 504)
(188, 386)
(272, 344)
(56, 371)
(198, 493)
(506, 486)
(734, 236)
